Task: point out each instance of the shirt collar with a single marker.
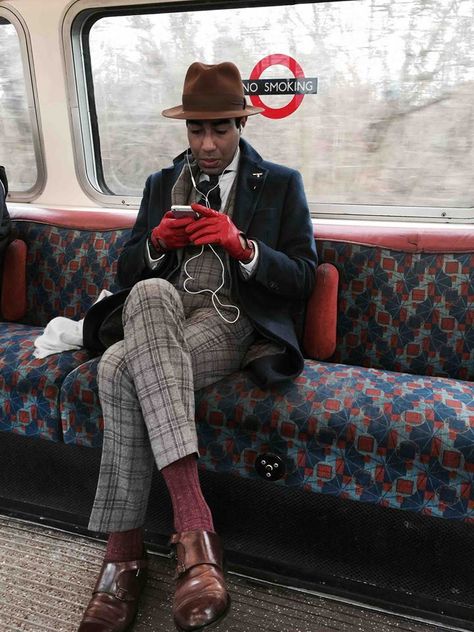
(234, 165)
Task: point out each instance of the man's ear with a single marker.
(243, 121)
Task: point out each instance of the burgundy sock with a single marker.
(125, 546)
(190, 510)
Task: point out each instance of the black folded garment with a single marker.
(5, 226)
(103, 322)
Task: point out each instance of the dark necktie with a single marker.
(210, 189)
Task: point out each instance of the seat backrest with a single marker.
(71, 257)
(405, 297)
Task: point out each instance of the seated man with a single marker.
(213, 291)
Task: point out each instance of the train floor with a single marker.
(46, 576)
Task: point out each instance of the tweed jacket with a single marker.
(270, 208)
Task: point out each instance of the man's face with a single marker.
(213, 143)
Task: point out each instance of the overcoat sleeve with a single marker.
(284, 232)
(288, 269)
(132, 265)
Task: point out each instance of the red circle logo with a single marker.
(295, 68)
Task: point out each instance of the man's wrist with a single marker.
(155, 248)
(248, 249)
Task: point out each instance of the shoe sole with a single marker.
(131, 625)
(210, 624)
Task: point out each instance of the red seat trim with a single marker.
(76, 219)
(417, 239)
(319, 340)
(13, 298)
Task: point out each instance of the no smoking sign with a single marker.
(297, 86)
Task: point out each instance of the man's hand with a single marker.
(217, 228)
(170, 233)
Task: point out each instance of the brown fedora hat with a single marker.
(212, 92)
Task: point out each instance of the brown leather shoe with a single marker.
(201, 597)
(114, 602)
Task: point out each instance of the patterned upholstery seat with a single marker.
(392, 439)
(66, 268)
(389, 420)
(29, 388)
(405, 311)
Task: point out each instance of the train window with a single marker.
(20, 150)
(370, 99)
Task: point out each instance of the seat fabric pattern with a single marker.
(81, 414)
(396, 440)
(29, 387)
(401, 311)
(67, 268)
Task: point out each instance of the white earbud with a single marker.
(191, 171)
(214, 298)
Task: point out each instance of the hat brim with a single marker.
(178, 112)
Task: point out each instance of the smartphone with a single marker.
(183, 211)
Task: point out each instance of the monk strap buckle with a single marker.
(121, 594)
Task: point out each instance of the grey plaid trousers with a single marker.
(146, 388)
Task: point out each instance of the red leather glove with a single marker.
(170, 233)
(216, 228)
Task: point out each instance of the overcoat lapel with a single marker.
(170, 175)
(251, 180)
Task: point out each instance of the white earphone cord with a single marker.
(214, 298)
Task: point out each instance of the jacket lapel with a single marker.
(251, 179)
(169, 177)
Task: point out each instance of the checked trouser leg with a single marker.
(146, 388)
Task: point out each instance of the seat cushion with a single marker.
(81, 414)
(29, 387)
(388, 438)
(392, 439)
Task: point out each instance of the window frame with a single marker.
(77, 22)
(33, 106)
